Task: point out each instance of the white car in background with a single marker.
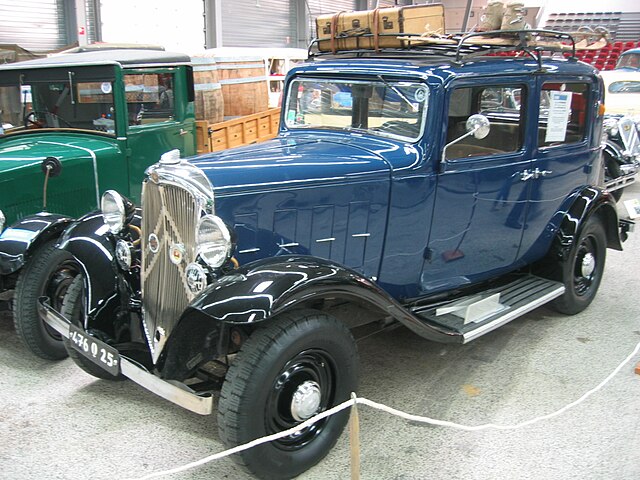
(622, 121)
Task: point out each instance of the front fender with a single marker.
(258, 291)
(89, 241)
(22, 238)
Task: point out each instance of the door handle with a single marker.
(183, 131)
(527, 175)
(542, 173)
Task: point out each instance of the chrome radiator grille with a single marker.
(169, 217)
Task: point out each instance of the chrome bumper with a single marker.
(175, 392)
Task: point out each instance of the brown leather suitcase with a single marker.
(379, 28)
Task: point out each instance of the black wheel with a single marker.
(612, 171)
(73, 309)
(581, 271)
(299, 365)
(48, 272)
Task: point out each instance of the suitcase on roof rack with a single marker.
(379, 28)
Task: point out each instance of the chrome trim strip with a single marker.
(357, 235)
(330, 239)
(512, 315)
(249, 250)
(287, 245)
(202, 405)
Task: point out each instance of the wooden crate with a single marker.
(237, 132)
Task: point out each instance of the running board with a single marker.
(475, 315)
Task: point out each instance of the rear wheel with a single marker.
(73, 310)
(581, 270)
(301, 364)
(49, 272)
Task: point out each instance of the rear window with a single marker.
(563, 113)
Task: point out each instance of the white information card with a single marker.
(559, 109)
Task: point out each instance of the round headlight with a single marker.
(113, 211)
(214, 241)
(2, 220)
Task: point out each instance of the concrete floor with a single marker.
(56, 422)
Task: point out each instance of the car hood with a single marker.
(22, 179)
(18, 151)
(302, 160)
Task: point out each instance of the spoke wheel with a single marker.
(582, 269)
(299, 364)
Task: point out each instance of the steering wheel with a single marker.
(37, 119)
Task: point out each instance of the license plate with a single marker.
(95, 350)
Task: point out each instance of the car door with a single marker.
(156, 120)
(482, 189)
(564, 152)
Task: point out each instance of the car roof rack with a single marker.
(460, 46)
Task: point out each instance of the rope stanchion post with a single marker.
(354, 439)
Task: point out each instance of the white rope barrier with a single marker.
(398, 413)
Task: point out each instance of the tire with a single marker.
(581, 272)
(306, 348)
(73, 309)
(48, 272)
(612, 171)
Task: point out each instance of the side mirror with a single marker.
(477, 125)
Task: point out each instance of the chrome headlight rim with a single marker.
(2, 220)
(114, 218)
(213, 254)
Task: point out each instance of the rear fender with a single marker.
(25, 236)
(259, 291)
(590, 202)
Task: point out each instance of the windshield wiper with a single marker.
(414, 109)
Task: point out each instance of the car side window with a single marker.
(502, 104)
(149, 98)
(563, 113)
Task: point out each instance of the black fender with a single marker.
(93, 246)
(22, 238)
(259, 291)
(588, 202)
(614, 151)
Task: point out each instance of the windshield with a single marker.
(629, 60)
(58, 104)
(626, 86)
(381, 107)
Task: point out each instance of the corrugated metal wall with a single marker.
(320, 7)
(36, 25)
(257, 23)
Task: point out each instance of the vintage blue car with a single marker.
(449, 193)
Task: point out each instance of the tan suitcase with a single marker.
(379, 28)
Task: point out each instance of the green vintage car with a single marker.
(72, 126)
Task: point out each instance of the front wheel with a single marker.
(48, 272)
(581, 271)
(300, 364)
(73, 310)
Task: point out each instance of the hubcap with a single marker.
(305, 386)
(305, 401)
(588, 264)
